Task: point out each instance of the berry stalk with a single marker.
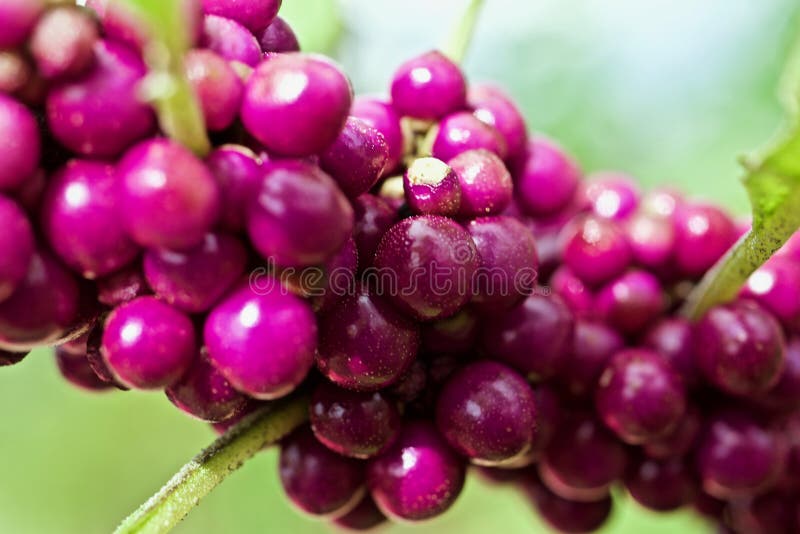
(457, 43)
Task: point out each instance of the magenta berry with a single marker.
(611, 195)
(217, 86)
(432, 188)
(631, 302)
(548, 179)
(486, 186)
(593, 346)
(81, 219)
(20, 147)
(373, 217)
(365, 516)
(776, 286)
(122, 286)
(230, 40)
(254, 14)
(462, 131)
(296, 104)
(574, 292)
(278, 37)
(17, 18)
(237, 171)
(494, 107)
(703, 233)
(680, 441)
(62, 42)
(784, 396)
(595, 249)
(358, 425)
(381, 116)
(571, 516)
(672, 339)
(418, 478)
(262, 339)
(76, 370)
(428, 87)
(660, 485)
(356, 158)
(17, 244)
(651, 238)
(487, 412)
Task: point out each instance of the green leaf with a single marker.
(166, 85)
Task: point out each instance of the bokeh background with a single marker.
(672, 91)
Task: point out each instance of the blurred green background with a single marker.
(672, 91)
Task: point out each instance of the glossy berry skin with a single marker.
(651, 238)
(631, 302)
(571, 516)
(640, 397)
(547, 180)
(486, 186)
(373, 218)
(593, 346)
(358, 425)
(680, 441)
(509, 264)
(428, 87)
(582, 460)
(418, 478)
(17, 18)
(17, 243)
(262, 339)
(166, 196)
(432, 188)
(364, 343)
(429, 257)
(217, 86)
(254, 14)
(76, 370)
(660, 485)
(148, 344)
(317, 480)
(595, 250)
(382, 116)
(237, 171)
(299, 216)
(194, 280)
(740, 348)
(43, 306)
(534, 337)
(491, 105)
(776, 286)
(100, 114)
(81, 219)
(203, 393)
(20, 147)
(296, 104)
(703, 233)
(356, 158)
(365, 516)
(611, 195)
(278, 37)
(230, 40)
(487, 413)
(784, 396)
(122, 286)
(62, 42)
(574, 292)
(672, 339)
(462, 131)
(737, 456)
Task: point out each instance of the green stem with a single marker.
(457, 43)
(208, 469)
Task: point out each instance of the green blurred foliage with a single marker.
(669, 90)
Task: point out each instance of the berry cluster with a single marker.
(448, 290)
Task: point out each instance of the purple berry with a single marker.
(573, 291)
(365, 516)
(62, 42)
(204, 393)
(356, 158)
(339, 277)
(571, 516)
(364, 344)
(317, 480)
(430, 260)
(494, 107)
(373, 218)
(593, 346)
(278, 38)
(672, 339)
(680, 441)
(167, 197)
(358, 425)
(548, 179)
(76, 370)
(17, 246)
(217, 86)
(432, 188)
(230, 40)
(299, 217)
(418, 478)
(238, 175)
(774, 512)
(651, 237)
(456, 335)
(20, 147)
(785, 394)
(122, 286)
(428, 87)
(81, 219)
(296, 104)
(740, 348)
(631, 302)
(262, 339)
(17, 18)
(148, 344)
(487, 412)
(194, 280)
(595, 249)
(534, 337)
(776, 286)
(737, 456)
(100, 114)
(611, 195)
(703, 234)
(254, 14)
(660, 485)
(486, 186)
(508, 261)
(461, 132)
(640, 397)
(381, 116)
